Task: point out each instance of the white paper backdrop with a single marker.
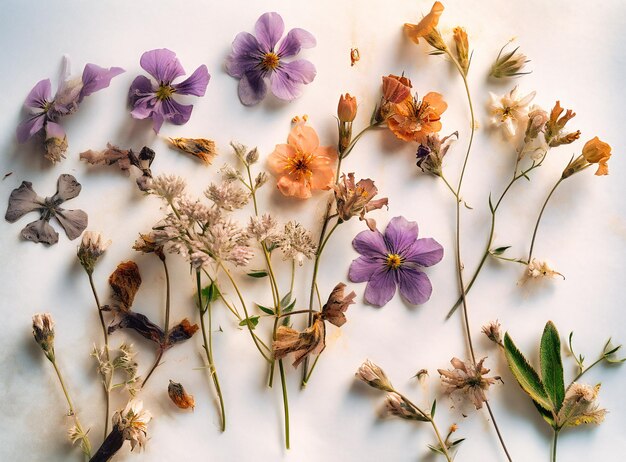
(577, 56)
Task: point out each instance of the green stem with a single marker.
(532, 242)
(106, 380)
(554, 443)
(582, 372)
(154, 366)
(353, 143)
(208, 346)
(285, 401)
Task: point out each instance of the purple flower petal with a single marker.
(286, 81)
(294, 41)
(22, 201)
(269, 29)
(381, 287)
(40, 231)
(141, 97)
(29, 127)
(96, 78)
(400, 235)
(252, 88)
(175, 112)
(195, 84)
(54, 130)
(67, 188)
(157, 120)
(362, 269)
(73, 222)
(415, 286)
(245, 56)
(424, 252)
(370, 244)
(39, 95)
(162, 64)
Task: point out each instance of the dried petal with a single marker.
(40, 231)
(22, 201)
(179, 396)
(337, 304)
(302, 344)
(201, 148)
(74, 222)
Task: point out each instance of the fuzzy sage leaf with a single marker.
(552, 366)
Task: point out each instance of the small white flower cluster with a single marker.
(296, 242)
(227, 195)
(168, 187)
(263, 227)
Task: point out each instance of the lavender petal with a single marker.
(294, 41)
(381, 287)
(362, 269)
(67, 188)
(424, 252)
(370, 244)
(286, 82)
(96, 78)
(162, 64)
(29, 127)
(252, 88)
(269, 29)
(141, 97)
(400, 235)
(40, 231)
(415, 286)
(39, 96)
(22, 201)
(245, 56)
(195, 84)
(73, 222)
(175, 112)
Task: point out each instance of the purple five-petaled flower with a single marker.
(45, 111)
(254, 59)
(394, 258)
(154, 99)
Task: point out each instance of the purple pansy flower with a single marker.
(254, 59)
(394, 258)
(45, 110)
(154, 99)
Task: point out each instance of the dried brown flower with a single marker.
(374, 376)
(124, 159)
(337, 304)
(309, 341)
(493, 331)
(430, 154)
(179, 396)
(200, 148)
(147, 243)
(91, 249)
(357, 199)
(468, 379)
(354, 56)
(43, 331)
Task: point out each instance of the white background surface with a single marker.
(577, 56)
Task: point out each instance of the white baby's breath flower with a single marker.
(509, 110)
(227, 195)
(168, 187)
(296, 242)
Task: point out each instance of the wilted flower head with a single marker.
(296, 242)
(227, 195)
(43, 331)
(200, 148)
(396, 90)
(414, 120)
(132, 422)
(24, 200)
(46, 111)
(374, 376)
(555, 126)
(427, 28)
(230, 173)
(537, 269)
(168, 187)
(337, 304)
(302, 165)
(397, 406)
(594, 151)
(431, 153)
(580, 406)
(147, 243)
(357, 199)
(91, 249)
(301, 344)
(462, 48)
(257, 58)
(468, 379)
(124, 159)
(535, 142)
(493, 331)
(179, 396)
(509, 110)
(262, 227)
(509, 64)
(154, 99)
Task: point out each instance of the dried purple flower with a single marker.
(124, 159)
(394, 259)
(255, 59)
(469, 379)
(356, 199)
(154, 99)
(24, 200)
(430, 155)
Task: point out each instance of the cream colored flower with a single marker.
(91, 249)
(468, 379)
(507, 111)
(374, 376)
(539, 270)
(580, 406)
(133, 423)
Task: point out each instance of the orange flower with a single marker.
(427, 28)
(597, 152)
(414, 120)
(396, 89)
(302, 165)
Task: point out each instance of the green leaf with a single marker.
(252, 322)
(288, 309)
(435, 449)
(210, 293)
(265, 309)
(433, 409)
(499, 250)
(456, 442)
(547, 415)
(552, 365)
(285, 300)
(257, 274)
(525, 375)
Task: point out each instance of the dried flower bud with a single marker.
(509, 65)
(421, 375)
(556, 124)
(346, 109)
(179, 396)
(397, 406)
(493, 331)
(354, 56)
(43, 331)
(91, 249)
(201, 148)
(539, 270)
(230, 173)
(337, 304)
(252, 156)
(240, 149)
(462, 48)
(357, 199)
(374, 376)
(147, 243)
(597, 152)
(55, 147)
(430, 155)
(260, 180)
(533, 144)
(580, 406)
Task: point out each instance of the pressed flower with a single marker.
(168, 187)
(45, 111)
(301, 344)
(555, 127)
(469, 379)
(43, 331)
(462, 48)
(427, 28)
(539, 270)
(200, 148)
(147, 243)
(357, 199)
(394, 259)
(580, 406)
(262, 227)
(509, 110)
(414, 120)
(597, 152)
(493, 331)
(91, 249)
(355, 56)
(179, 396)
(337, 304)
(509, 65)
(535, 142)
(396, 90)
(374, 376)
(346, 112)
(227, 195)
(296, 242)
(257, 58)
(397, 406)
(430, 154)
(24, 200)
(302, 165)
(155, 99)
(133, 423)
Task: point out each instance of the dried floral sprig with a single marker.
(46, 111)
(24, 200)
(509, 110)
(469, 379)
(124, 159)
(357, 199)
(200, 148)
(510, 64)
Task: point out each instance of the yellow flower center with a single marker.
(299, 165)
(164, 92)
(270, 61)
(394, 261)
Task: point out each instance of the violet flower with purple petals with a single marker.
(154, 99)
(255, 59)
(394, 258)
(45, 110)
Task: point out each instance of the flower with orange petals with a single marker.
(414, 120)
(595, 151)
(427, 28)
(302, 165)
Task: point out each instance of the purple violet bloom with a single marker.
(394, 258)
(154, 99)
(45, 111)
(254, 59)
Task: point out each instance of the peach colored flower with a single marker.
(396, 89)
(597, 152)
(427, 28)
(414, 120)
(302, 165)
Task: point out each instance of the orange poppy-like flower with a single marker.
(302, 165)
(597, 152)
(427, 28)
(414, 120)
